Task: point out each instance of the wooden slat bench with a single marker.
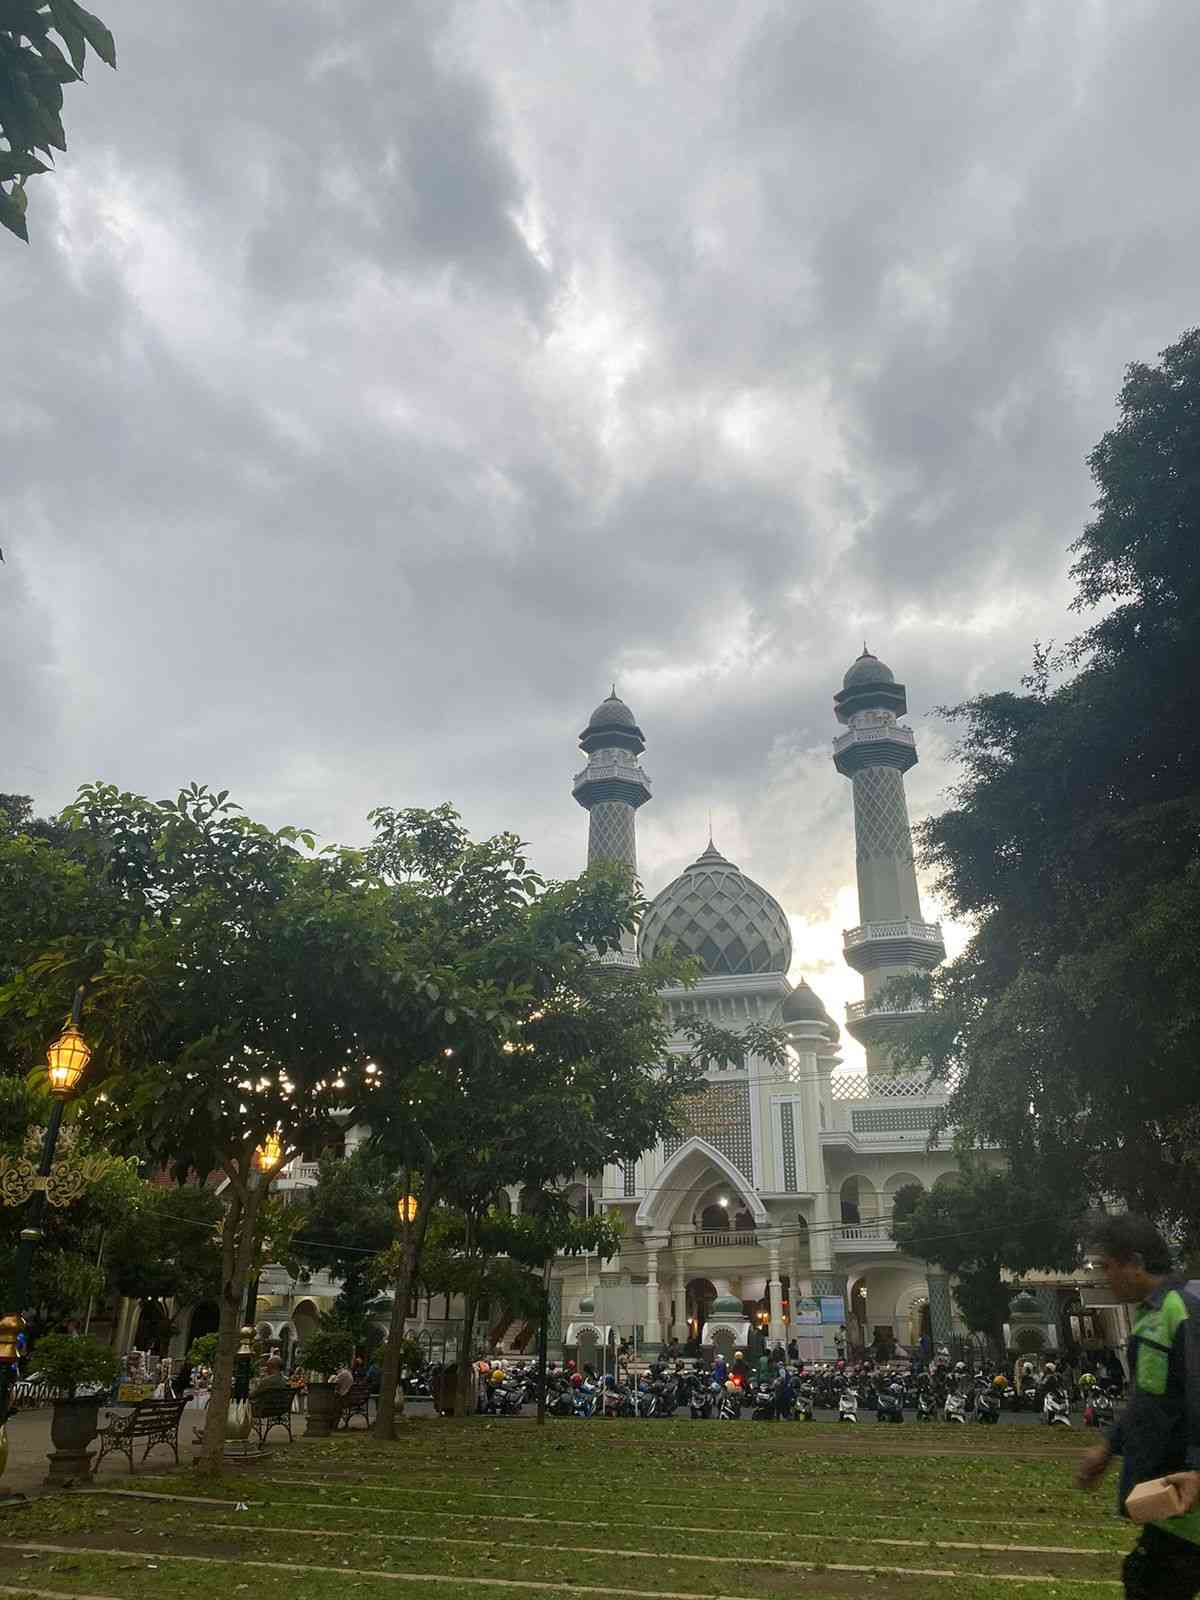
(155, 1421)
(272, 1408)
(356, 1402)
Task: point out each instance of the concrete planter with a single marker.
(73, 1426)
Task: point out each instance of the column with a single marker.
(775, 1295)
(652, 1335)
(679, 1327)
(941, 1311)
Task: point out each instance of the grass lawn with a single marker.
(501, 1510)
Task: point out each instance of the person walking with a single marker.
(1157, 1435)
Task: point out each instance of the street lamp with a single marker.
(269, 1154)
(66, 1059)
(406, 1207)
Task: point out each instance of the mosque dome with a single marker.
(867, 669)
(587, 1306)
(805, 1005)
(612, 723)
(715, 912)
(612, 712)
(726, 1305)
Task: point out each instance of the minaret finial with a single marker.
(710, 837)
(612, 693)
(866, 652)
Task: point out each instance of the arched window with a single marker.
(714, 1219)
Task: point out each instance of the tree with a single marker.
(541, 1059)
(33, 69)
(978, 1224)
(163, 1247)
(1071, 1023)
(227, 1001)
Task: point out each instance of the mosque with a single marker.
(769, 1212)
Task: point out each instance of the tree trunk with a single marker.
(543, 1329)
(466, 1389)
(237, 1252)
(385, 1414)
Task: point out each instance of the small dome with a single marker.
(587, 1306)
(612, 713)
(1023, 1304)
(867, 669)
(726, 1305)
(805, 1005)
(715, 912)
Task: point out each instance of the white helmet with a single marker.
(1050, 1367)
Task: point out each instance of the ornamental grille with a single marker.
(611, 835)
(630, 1179)
(854, 1086)
(787, 1130)
(720, 1115)
(881, 815)
(715, 912)
(904, 1119)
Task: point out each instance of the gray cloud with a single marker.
(381, 382)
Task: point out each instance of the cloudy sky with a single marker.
(385, 379)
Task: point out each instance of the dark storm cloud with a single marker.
(383, 380)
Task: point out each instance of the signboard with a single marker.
(620, 1306)
(808, 1309)
(128, 1393)
(833, 1309)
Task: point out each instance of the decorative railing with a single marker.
(863, 1233)
(866, 932)
(716, 1239)
(855, 1086)
(857, 1010)
(302, 1172)
(893, 733)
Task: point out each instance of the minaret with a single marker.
(611, 788)
(892, 939)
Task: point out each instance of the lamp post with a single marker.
(66, 1061)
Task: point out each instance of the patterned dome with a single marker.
(867, 669)
(714, 912)
(611, 713)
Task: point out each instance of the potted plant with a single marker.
(72, 1364)
(322, 1354)
(203, 1350)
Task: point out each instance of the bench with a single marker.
(154, 1421)
(356, 1402)
(272, 1408)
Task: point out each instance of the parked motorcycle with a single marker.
(889, 1405)
(1056, 1408)
(804, 1405)
(848, 1405)
(955, 1407)
(987, 1406)
(1099, 1411)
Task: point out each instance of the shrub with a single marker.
(66, 1362)
(204, 1350)
(326, 1350)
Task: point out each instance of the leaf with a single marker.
(16, 165)
(12, 213)
(98, 36)
(70, 32)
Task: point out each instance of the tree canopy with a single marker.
(43, 45)
(979, 1223)
(1072, 1020)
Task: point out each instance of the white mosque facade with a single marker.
(768, 1214)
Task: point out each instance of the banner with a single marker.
(808, 1309)
(833, 1309)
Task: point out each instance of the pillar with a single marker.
(679, 1327)
(652, 1334)
(775, 1295)
(941, 1311)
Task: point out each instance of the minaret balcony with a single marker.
(612, 780)
(893, 944)
(876, 745)
(874, 1021)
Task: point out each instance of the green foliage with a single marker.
(67, 1361)
(203, 1350)
(164, 1245)
(1072, 1020)
(33, 69)
(326, 1351)
(978, 1224)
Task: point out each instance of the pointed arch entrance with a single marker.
(694, 1167)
